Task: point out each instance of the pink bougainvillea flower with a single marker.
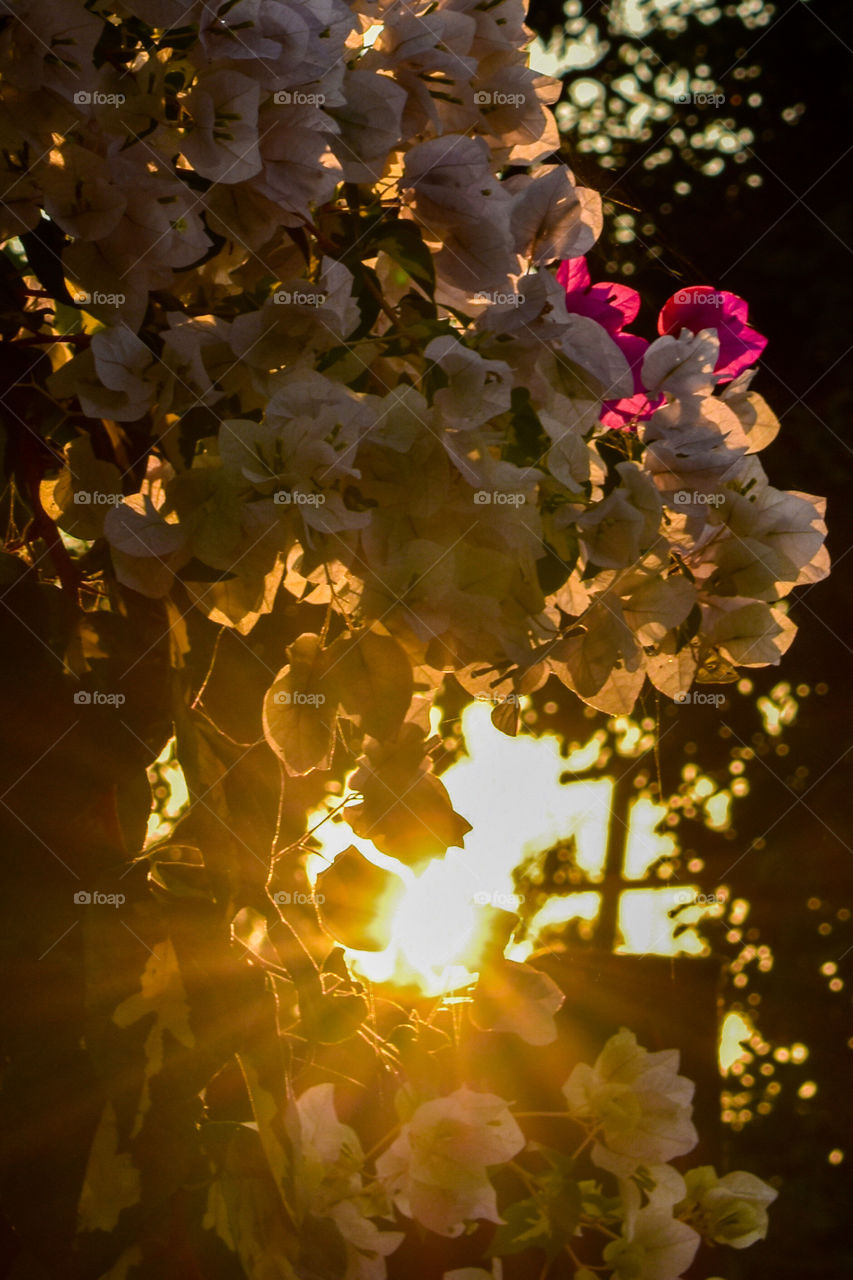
(612, 306)
(701, 307)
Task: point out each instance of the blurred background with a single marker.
(717, 135)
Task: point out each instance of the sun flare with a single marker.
(523, 798)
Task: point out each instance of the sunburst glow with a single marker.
(510, 789)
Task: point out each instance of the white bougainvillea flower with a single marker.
(367, 1245)
(255, 33)
(657, 1186)
(328, 1146)
(515, 116)
(435, 1171)
(330, 1180)
(637, 1102)
(116, 378)
(299, 165)
(50, 45)
(370, 123)
(427, 52)
(657, 1248)
(476, 390)
(221, 141)
(551, 217)
(627, 521)
(198, 171)
(683, 366)
(82, 198)
(729, 1210)
(463, 209)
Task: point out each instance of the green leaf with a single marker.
(111, 1182)
(161, 994)
(547, 1220)
(403, 243)
(525, 1226)
(245, 1212)
(529, 439)
(367, 290)
(262, 1065)
(196, 570)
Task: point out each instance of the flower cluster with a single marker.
(637, 1102)
(436, 1169)
(439, 1172)
(332, 1187)
(369, 367)
(299, 305)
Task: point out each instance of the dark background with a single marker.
(786, 246)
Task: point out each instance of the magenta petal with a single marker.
(573, 274)
(738, 351)
(633, 349)
(620, 415)
(700, 307)
(594, 303)
(735, 306)
(626, 301)
(676, 312)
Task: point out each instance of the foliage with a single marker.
(299, 419)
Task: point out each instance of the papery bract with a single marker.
(613, 306)
(699, 307)
(436, 1169)
(636, 1102)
